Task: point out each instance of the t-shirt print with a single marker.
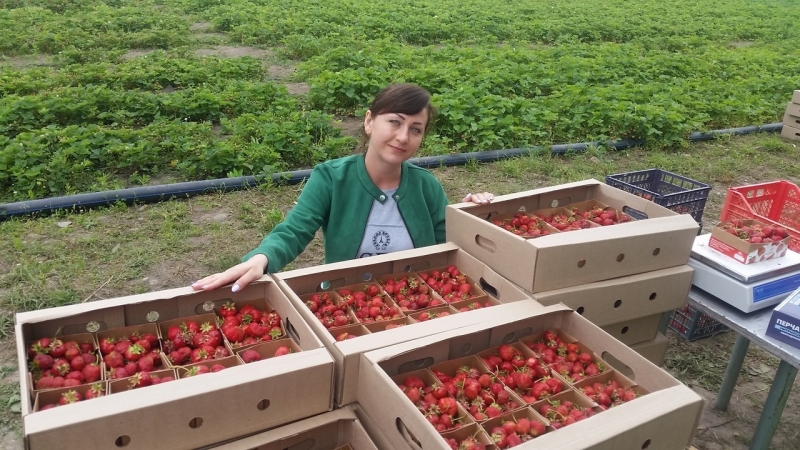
(385, 232)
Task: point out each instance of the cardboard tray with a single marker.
(634, 331)
(331, 430)
(665, 418)
(186, 413)
(625, 298)
(346, 353)
(570, 259)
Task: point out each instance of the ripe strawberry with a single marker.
(107, 345)
(145, 364)
(249, 356)
(228, 309)
(234, 334)
(217, 367)
(91, 373)
(42, 361)
(70, 396)
(97, 390)
(283, 350)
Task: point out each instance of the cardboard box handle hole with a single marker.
(291, 331)
(646, 444)
(416, 364)
(617, 303)
(491, 290)
(620, 257)
(412, 441)
(619, 366)
(197, 422)
(624, 330)
(122, 441)
(581, 263)
(517, 335)
(262, 405)
(486, 244)
(653, 296)
(579, 310)
(656, 251)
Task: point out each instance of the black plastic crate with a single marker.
(680, 194)
(692, 324)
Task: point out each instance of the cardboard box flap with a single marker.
(74, 310)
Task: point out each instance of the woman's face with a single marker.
(395, 137)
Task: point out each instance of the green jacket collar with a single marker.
(373, 190)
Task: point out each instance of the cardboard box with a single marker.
(791, 132)
(577, 257)
(665, 418)
(631, 297)
(743, 251)
(186, 413)
(793, 110)
(332, 430)
(346, 353)
(631, 332)
(796, 96)
(654, 351)
(784, 324)
(791, 121)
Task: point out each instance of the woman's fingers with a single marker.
(243, 274)
(481, 198)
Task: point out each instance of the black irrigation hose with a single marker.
(151, 194)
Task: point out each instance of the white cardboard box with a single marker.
(654, 351)
(626, 298)
(328, 431)
(186, 413)
(577, 257)
(346, 353)
(664, 419)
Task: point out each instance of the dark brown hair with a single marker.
(400, 98)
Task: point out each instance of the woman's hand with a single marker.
(242, 274)
(482, 198)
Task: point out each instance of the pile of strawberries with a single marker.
(126, 356)
(566, 359)
(563, 413)
(754, 233)
(246, 326)
(450, 284)
(251, 355)
(565, 222)
(410, 293)
(329, 313)
(369, 305)
(54, 363)
(72, 396)
(523, 225)
(609, 394)
(479, 393)
(435, 402)
(603, 216)
(513, 433)
(189, 342)
(528, 377)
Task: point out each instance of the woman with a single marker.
(367, 204)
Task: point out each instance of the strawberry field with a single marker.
(105, 94)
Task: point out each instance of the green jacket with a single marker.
(338, 197)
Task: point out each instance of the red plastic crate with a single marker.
(776, 203)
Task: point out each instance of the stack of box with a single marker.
(621, 277)
(791, 119)
(187, 412)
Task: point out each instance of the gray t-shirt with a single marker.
(386, 232)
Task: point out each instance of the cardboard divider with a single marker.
(433, 313)
(634, 331)
(361, 316)
(579, 400)
(534, 228)
(351, 331)
(563, 260)
(475, 303)
(377, 327)
(127, 384)
(52, 396)
(579, 208)
(267, 350)
(192, 412)
(187, 370)
(604, 379)
(346, 354)
(620, 299)
(666, 418)
(388, 281)
(476, 292)
(272, 320)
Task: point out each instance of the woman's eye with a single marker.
(416, 130)
(394, 121)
